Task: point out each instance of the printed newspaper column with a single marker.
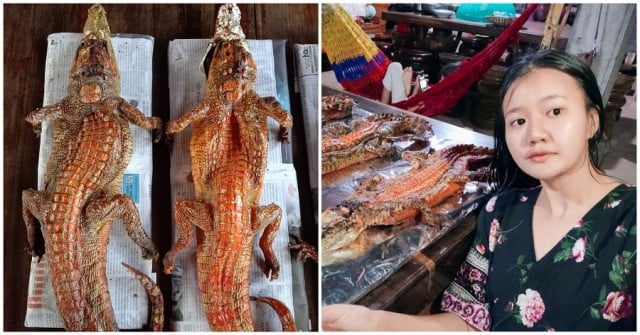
(307, 76)
(186, 87)
(134, 57)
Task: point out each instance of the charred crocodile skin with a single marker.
(412, 195)
(365, 139)
(73, 216)
(336, 107)
(228, 148)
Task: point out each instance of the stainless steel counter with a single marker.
(403, 274)
(441, 129)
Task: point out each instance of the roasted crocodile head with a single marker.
(94, 72)
(338, 228)
(228, 63)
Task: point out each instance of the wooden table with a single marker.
(26, 27)
(532, 31)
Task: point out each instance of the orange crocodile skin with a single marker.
(405, 197)
(365, 139)
(228, 148)
(73, 216)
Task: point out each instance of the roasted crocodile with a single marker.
(409, 197)
(336, 107)
(73, 216)
(228, 150)
(365, 139)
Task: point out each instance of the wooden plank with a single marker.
(551, 26)
(533, 33)
(607, 28)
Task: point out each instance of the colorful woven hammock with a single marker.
(360, 66)
(441, 97)
(356, 61)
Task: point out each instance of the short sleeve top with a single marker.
(587, 281)
(394, 82)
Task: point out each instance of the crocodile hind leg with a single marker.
(122, 207)
(268, 217)
(99, 215)
(302, 249)
(33, 203)
(187, 212)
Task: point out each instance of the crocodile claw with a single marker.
(36, 252)
(284, 135)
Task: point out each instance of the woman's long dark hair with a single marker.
(506, 174)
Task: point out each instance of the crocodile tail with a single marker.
(69, 250)
(286, 318)
(155, 297)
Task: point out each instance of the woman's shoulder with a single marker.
(620, 204)
(621, 199)
(624, 192)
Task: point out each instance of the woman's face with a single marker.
(547, 126)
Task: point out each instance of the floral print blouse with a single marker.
(587, 281)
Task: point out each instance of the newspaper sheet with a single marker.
(134, 57)
(307, 75)
(186, 87)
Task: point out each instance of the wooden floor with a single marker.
(26, 27)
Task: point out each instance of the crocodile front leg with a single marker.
(37, 116)
(133, 115)
(197, 113)
(199, 160)
(272, 108)
(268, 217)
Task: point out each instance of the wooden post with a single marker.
(563, 23)
(604, 29)
(551, 26)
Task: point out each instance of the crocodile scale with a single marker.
(229, 148)
(73, 215)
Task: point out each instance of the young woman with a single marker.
(555, 249)
(397, 84)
